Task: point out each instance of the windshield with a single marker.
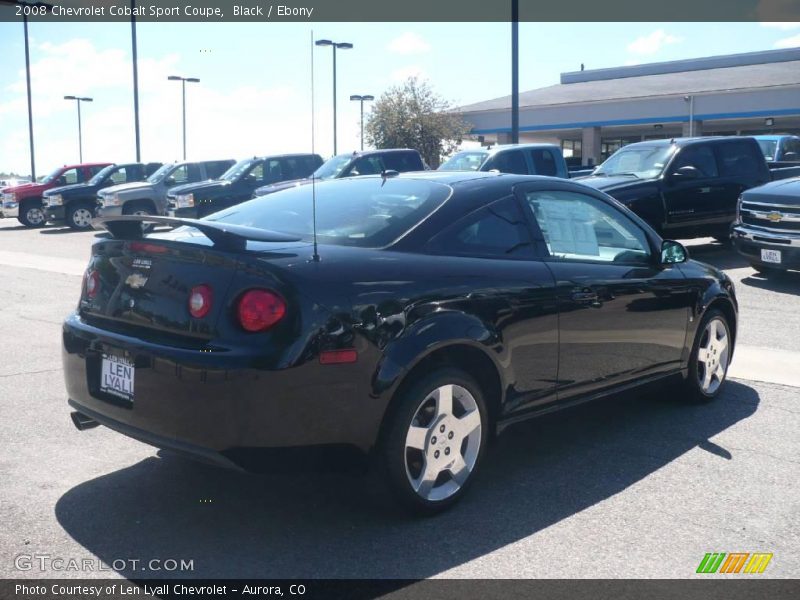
(52, 176)
(468, 160)
(162, 172)
(644, 162)
(331, 168)
(98, 178)
(369, 212)
(239, 169)
(768, 148)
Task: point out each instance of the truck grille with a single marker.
(772, 217)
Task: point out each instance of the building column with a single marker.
(697, 128)
(590, 147)
(504, 138)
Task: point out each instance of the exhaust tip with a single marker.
(82, 422)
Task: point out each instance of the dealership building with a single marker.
(592, 113)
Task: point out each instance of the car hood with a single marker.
(127, 187)
(784, 191)
(283, 185)
(193, 188)
(26, 187)
(66, 189)
(608, 184)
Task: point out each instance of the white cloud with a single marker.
(652, 43)
(408, 43)
(404, 73)
(790, 42)
(783, 26)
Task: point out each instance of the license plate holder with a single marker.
(117, 376)
(771, 256)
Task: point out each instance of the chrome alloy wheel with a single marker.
(82, 218)
(443, 442)
(35, 216)
(713, 356)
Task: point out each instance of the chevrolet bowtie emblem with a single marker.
(136, 280)
(774, 216)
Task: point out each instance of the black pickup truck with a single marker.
(237, 184)
(77, 204)
(685, 187)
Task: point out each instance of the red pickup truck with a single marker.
(25, 201)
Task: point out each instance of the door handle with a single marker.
(585, 296)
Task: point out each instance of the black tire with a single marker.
(697, 371)
(723, 238)
(398, 460)
(31, 213)
(79, 215)
(140, 207)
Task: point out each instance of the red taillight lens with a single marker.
(200, 301)
(260, 309)
(92, 283)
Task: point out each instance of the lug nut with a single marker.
(447, 451)
(436, 454)
(450, 436)
(433, 440)
(441, 429)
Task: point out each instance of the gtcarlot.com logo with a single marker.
(734, 562)
(48, 562)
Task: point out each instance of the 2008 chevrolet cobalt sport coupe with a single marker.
(434, 309)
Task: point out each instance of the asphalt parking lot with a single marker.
(636, 486)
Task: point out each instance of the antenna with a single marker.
(315, 256)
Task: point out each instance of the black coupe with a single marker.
(433, 310)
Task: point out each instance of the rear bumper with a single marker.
(749, 242)
(219, 407)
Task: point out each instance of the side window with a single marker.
(181, 175)
(311, 164)
(70, 176)
(511, 161)
(701, 157)
(739, 159)
(544, 163)
(366, 165)
(402, 161)
(152, 168)
(215, 168)
(792, 147)
(273, 171)
(293, 168)
(498, 230)
(256, 174)
(95, 170)
(582, 228)
(120, 175)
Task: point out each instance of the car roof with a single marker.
(287, 155)
(775, 137)
(687, 141)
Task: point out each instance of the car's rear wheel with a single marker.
(435, 440)
(80, 215)
(711, 352)
(31, 214)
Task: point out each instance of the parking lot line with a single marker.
(769, 365)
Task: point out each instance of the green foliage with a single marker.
(412, 115)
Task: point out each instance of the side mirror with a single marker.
(687, 172)
(673, 252)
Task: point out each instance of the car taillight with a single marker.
(260, 309)
(91, 283)
(200, 301)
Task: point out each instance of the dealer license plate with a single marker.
(771, 256)
(116, 377)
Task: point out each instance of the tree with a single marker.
(412, 115)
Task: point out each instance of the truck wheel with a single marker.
(142, 209)
(434, 440)
(711, 353)
(31, 214)
(80, 215)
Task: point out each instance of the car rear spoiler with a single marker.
(224, 235)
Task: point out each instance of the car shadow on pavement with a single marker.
(783, 283)
(341, 525)
(722, 256)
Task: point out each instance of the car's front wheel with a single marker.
(710, 358)
(80, 215)
(435, 440)
(31, 214)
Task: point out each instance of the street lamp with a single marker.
(362, 99)
(183, 81)
(78, 101)
(335, 46)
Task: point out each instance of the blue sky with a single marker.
(254, 96)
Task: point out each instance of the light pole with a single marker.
(362, 99)
(335, 46)
(183, 81)
(134, 53)
(78, 101)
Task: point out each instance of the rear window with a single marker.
(507, 161)
(369, 212)
(739, 159)
(544, 162)
(402, 161)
